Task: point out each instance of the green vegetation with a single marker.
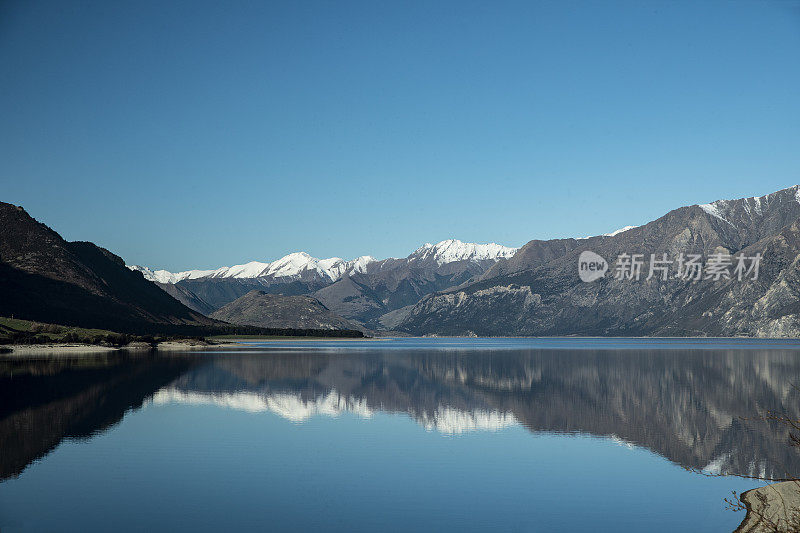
(223, 338)
(52, 330)
(230, 331)
(16, 331)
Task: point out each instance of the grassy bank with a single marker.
(310, 337)
(16, 331)
(28, 332)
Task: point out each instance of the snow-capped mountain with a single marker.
(453, 250)
(609, 234)
(533, 292)
(300, 265)
(745, 211)
(361, 289)
(618, 231)
(164, 276)
(293, 266)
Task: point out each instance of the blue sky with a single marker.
(199, 134)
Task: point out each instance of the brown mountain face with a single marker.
(187, 298)
(207, 295)
(394, 283)
(257, 308)
(361, 297)
(45, 278)
(539, 294)
(533, 254)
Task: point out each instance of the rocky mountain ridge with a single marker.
(360, 290)
(539, 291)
(258, 308)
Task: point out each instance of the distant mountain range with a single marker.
(448, 288)
(301, 266)
(47, 279)
(453, 288)
(538, 291)
(361, 290)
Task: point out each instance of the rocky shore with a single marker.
(772, 508)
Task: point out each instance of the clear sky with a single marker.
(200, 134)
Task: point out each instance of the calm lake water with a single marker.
(396, 435)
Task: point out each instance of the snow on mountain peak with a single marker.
(755, 205)
(164, 276)
(618, 231)
(248, 270)
(298, 264)
(359, 264)
(609, 234)
(452, 250)
(292, 266)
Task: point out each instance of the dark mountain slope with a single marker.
(45, 278)
(216, 292)
(257, 308)
(351, 299)
(533, 254)
(187, 298)
(394, 283)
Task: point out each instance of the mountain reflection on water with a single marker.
(697, 408)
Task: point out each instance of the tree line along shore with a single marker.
(20, 332)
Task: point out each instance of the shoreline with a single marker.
(22, 350)
(50, 349)
(56, 349)
(772, 505)
(241, 340)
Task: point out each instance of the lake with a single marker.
(396, 435)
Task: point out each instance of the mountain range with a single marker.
(538, 291)
(456, 288)
(448, 288)
(361, 290)
(46, 279)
